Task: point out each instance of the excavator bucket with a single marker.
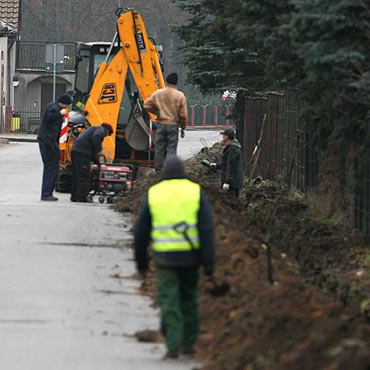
(137, 131)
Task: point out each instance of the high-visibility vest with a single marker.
(171, 203)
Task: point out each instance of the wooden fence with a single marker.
(286, 153)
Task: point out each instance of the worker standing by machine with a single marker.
(232, 164)
(87, 148)
(177, 217)
(170, 106)
(48, 139)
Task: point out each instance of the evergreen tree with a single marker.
(217, 59)
(319, 47)
(331, 39)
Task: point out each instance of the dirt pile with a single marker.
(198, 171)
(291, 324)
(288, 325)
(330, 256)
(133, 200)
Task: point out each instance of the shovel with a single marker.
(217, 289)
(208, 165)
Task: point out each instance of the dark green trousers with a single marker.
(177, 294)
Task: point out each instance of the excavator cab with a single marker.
(89, 58)
(113, 79)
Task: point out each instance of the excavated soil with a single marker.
(315, 314)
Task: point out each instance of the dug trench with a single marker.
(315, 313)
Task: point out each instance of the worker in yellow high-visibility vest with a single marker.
(176, 217)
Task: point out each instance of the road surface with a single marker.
(62, 305)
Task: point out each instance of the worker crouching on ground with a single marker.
(87, 148)
(48, 139)
(177, 218)
(231, 165)
(170, 106)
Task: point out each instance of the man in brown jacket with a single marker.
(170, 106)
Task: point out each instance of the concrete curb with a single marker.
(4, 141)
(18, 140)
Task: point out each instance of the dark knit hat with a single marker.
(172, 79)
(173, 166)
(108, 127)
(65, 99)
(229, 132)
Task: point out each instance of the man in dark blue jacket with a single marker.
(87, 148)
(48, 139)
(177, 218)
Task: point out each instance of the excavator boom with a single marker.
(138, 56)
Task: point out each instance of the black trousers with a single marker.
(81, 177)
(234, 192)
(50, 158)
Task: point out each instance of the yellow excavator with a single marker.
(112, 82)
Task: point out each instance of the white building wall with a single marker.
(3, 76)
(28, 93)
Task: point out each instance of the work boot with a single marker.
(171, 355)
(49, 198)
(84, 200)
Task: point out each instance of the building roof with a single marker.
(5, 27)
(9, 11)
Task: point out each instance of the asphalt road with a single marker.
(61, 306)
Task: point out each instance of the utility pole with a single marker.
(55, 72)
(54, 62)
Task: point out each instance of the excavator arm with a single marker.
(137, 54)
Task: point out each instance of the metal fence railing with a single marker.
(25, 120)
(31, 55)
(209, 116)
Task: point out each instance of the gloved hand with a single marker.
(226, 187)
(101, 154)
(182, 133)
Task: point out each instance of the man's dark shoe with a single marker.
(84, 200)
(171, 355)
(188, 351)
(49, 198)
